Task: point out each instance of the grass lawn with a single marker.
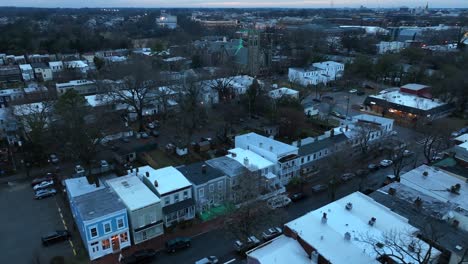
(215, 212)
(160, 159)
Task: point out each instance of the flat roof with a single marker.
(169, 178)
(408, 100)
(265, 143)
(463, 138)
(414, 86)
(436, 184)
(227, 165)
(249, 159)
(280, 92)
(329, 237)
(133, 192)
(97, 204)
(280, 250)
(374, 119)
(80, 186)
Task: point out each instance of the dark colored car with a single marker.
(177, 243)
(347, 176)
(55, 237)
(327, 97)
(140, 256)
(373, 167)
(48, 177)
(296, 196)
(362, 172)
(360, 93)
(319, 188)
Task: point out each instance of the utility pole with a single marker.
(347, 105)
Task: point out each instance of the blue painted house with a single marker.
(100, 216)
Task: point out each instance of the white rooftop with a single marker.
(133, 192)
(414, 86)
(98, 100)
(25, 67)
(73, 83)
(169, 178)
(329, 238)
(80, 186)
(464, 145)
(255, 141)
(371, 118)
(250, 160)
(409, 100)
(280, 92)
(463, 138)
(55, 63)
(326, 64)
(76, 64)
(436, 184)
(281, 250)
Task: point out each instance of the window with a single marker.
(185, 194)
(220, 186)
(211, 187)
(95, 246)
(124, 237)
(167, 200)
(201, 193)
(120, 223)
(107, 227)
(93, 232)
(105, 244)
(302, 160)
(176, 197)
(308, 158)
(315, 156)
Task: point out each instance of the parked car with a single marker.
(208, 260)
(373, 167)
(393, 133)
(336, 114)
(177, 243)
(55, 237)
(155, 133)
(49, 177)
(296, 196)
(79, 170)
(386, 163)
(407, 153)
(125, 139)
(460, 132)
(360, 93)
(319, 188)
(43, 185)
(53, 158)
(242, 247)
(316, 100)
(347, 176)
(104, 164)
(144, 135)
(278, 201)
(327, 97)
(43, 193)
(389, 179)
(362, 172)
(271, 233)
(140, 256)
(353, 91)
(151, 125)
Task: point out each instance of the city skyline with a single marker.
(236, 3)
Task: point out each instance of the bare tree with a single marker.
(365, 132)
(224, 87)
(435, 140)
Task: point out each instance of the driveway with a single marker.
(24, 221)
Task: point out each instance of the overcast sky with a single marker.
(234, 3)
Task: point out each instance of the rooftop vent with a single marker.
(347, 236)
(125, 184)
(233, 154)
(147, 174)
(246, 161)
(372, 221)
(324, 218)
(349, 206)
(391, 191)
(203, 168)
(155, 183)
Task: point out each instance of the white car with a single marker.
(208, 260)
(79, 169)
(278, 201)
(43, 185)
(386, 163)
(104, 164)
(353, 91)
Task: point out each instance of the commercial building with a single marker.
(143, 207)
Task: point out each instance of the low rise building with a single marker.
(77, 65)
(143, 207)
(391, 46)
(42, 71)
(27, 72)
(174, 190)
(283, 92)
(10, 73)
(346, 231)
(317, 73)
(100, 216)
(83, 87)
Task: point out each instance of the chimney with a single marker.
(346, 128)
(233, 154)
(246, 161)
(418, 202)
(349, 206)
(147, 174)
(391, 191)
(324, 218)
(203, 168)
(155, 183)
(372, 221)
(347, 236)
(299, 142)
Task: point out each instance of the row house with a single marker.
(27, 72)
(317, 73)
(174, 190)
(42, 71)
(143, 207)
(284, 156)
(83, 87)
(100, 216)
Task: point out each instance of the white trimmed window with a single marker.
(93, 231)
(120, 223)
(107, 227)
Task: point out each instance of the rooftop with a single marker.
(414, 86)
(373, 119)
(200, 172)
(281, 250)
(227, 165)
(168, 179)
(73, 83)
(80, 186)
(436, 184)
(280, 92)
(97, 204)
(133, 192)
(409, 100)
(250, 160)
(327, 237)
(463, 138)
(256, 141)
(308, 147)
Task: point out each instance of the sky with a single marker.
(235, 3)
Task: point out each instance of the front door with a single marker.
(115, 243)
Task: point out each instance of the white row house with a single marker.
(319, 72)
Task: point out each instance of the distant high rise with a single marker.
(253, 40)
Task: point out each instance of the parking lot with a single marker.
(24, 221)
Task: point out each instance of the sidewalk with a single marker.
(158, 242)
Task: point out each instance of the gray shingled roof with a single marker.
(316, 146)
(195, 175)
(228, 166)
